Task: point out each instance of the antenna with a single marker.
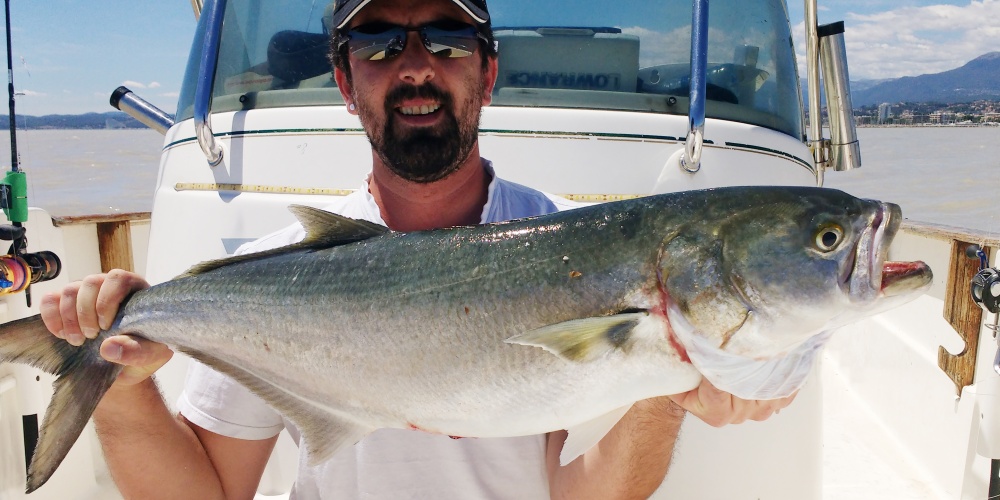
(14, 163)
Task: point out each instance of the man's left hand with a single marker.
(718, 408)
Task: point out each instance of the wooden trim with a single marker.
(69, 220)
(964, 315)
(951, 233)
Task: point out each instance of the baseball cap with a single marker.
(345, 10)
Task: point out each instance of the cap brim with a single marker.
(474, 11)
(347, 12)
(352, 7)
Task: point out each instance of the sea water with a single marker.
(943, 175)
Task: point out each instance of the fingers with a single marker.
(50, 313)
(718, 408)
(116, 287)
(141, 357)
(83, 308)
(85, 305)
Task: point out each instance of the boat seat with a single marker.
(295, 56)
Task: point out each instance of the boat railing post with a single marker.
(693, 144)
(844, 149)
(815, 137)
(215, 13)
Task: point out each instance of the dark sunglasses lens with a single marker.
(450, 43)
(378, 42)
(376, 46)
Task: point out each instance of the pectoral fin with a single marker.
(583, 437)
(585, 339)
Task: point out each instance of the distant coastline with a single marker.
(899, 114)
(925, 125)
(88, 121)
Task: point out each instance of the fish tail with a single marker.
(82, 379)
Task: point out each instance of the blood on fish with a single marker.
(661, 310)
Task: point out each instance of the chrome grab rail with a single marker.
(815, 137)
(214, 12)
(844, 149)
(691, 159)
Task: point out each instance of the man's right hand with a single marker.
(83, 308)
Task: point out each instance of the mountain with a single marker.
(111, 119)
(979, 79)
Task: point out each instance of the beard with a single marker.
(424, 154)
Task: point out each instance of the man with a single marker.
(417, 74)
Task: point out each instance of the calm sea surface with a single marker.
(942, 175)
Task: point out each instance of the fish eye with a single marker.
(828, 238)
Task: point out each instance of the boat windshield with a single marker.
(557, 53)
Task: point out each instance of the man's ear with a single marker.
(344, 86)
(490, 74)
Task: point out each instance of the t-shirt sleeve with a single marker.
(219, 404)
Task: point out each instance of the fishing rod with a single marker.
(19, 268)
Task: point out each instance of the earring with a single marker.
(352, 107)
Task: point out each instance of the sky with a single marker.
(69, 55)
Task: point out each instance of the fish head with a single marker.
(770, 273)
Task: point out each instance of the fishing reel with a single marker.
(18, 270)
(986, 289)
(985, 285)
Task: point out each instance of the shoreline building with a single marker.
(884, 112)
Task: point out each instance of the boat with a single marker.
(596, 105)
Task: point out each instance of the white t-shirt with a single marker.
(389, 463)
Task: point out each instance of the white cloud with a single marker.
(132, 84)
(912, 41)
(31, 93)
(154, 85)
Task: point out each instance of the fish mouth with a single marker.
(900, 278)
(873, 275)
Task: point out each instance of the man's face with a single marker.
(420, 111)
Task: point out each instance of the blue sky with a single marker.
(69, 55)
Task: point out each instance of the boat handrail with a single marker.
(691, 160)
(215, 13)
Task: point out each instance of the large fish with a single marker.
(518, 328)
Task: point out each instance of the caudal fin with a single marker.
(82, 379)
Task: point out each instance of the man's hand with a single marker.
(718, 408)
(84, 308)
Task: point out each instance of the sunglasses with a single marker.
(379, 41)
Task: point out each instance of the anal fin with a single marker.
(583, 437)
(323, 431)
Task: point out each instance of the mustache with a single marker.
(396, 96)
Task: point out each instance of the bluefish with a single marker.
(516, 328)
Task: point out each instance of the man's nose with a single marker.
(416, 62)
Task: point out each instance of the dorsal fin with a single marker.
(327, 229)
(323, 230)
